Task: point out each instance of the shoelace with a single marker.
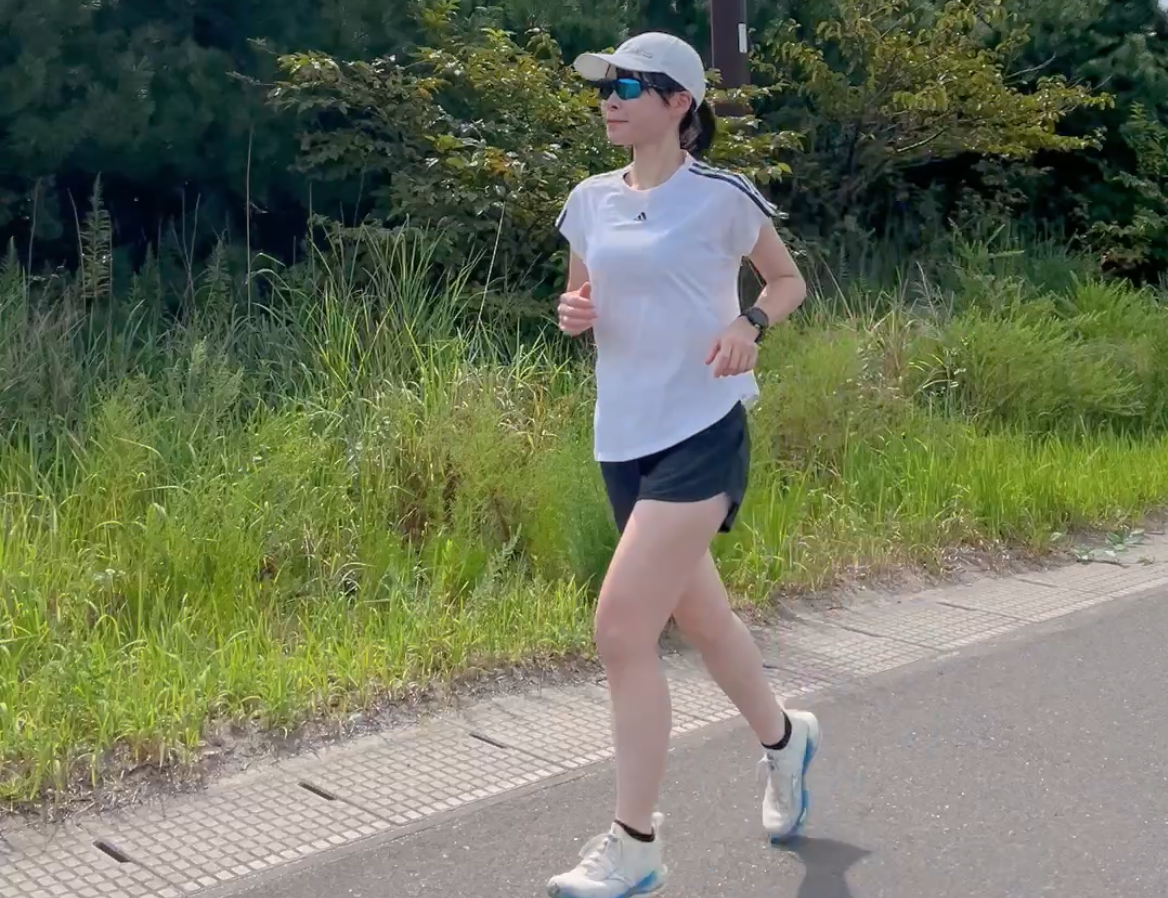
(768, 768)
(599, 856)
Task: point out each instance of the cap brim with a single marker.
(598, 66)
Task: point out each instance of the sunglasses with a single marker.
(625, 88)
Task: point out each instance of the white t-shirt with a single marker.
(664, 267)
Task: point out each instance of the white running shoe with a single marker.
(784, 807)
(614, 865)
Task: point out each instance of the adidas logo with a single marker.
(641, 217)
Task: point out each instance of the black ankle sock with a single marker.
(782, 743)
(637, 836)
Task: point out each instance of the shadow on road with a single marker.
(826, 862)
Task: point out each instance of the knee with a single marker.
(621, 636)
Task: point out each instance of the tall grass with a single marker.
(298, 508)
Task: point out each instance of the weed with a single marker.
(362, 483)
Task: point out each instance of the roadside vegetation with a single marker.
(367, 484)
(285, 428)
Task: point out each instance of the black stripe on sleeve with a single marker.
(738, 181)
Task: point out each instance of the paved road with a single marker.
(1027, 768)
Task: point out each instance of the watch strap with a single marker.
(758, 318)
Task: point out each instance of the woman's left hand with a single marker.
(735, 351)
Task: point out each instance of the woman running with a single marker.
(656, 249)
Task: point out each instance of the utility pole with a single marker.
(728, 42)
(728, 54)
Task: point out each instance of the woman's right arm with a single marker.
(577, 274)
(576, 311)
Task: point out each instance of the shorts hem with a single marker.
(733, 505)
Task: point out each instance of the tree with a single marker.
(146, 94)
(881, 87)
(1120, 48)
(475, 132)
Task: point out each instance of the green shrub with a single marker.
(1136, 244)
(885, 91)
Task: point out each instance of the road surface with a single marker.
(1023, 768)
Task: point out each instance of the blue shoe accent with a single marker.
(649, 884)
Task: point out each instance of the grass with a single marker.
(297, 509)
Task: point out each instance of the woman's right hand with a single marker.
(577, 313)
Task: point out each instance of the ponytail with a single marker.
(698, 129)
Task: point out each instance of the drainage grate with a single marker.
(487, 739)
(317, 791)
(106, 847)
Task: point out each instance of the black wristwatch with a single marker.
(759, 319)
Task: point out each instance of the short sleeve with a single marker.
(749, 212)
(573, 220)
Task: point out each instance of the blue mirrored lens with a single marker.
(628, 88)
(625, 88)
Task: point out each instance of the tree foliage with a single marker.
(1109, 189)
(250, 115)
(474, 131)
(883, 86)
(148, 94)
(1137, 243)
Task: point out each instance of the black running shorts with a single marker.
(712, 462)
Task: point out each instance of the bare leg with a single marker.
(651, 567)
(709, 624)
(730, 654)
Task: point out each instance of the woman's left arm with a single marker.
(785, 288)
(736, 351)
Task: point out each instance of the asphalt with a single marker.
(1023, 768)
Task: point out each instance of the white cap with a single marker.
(650, 52)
